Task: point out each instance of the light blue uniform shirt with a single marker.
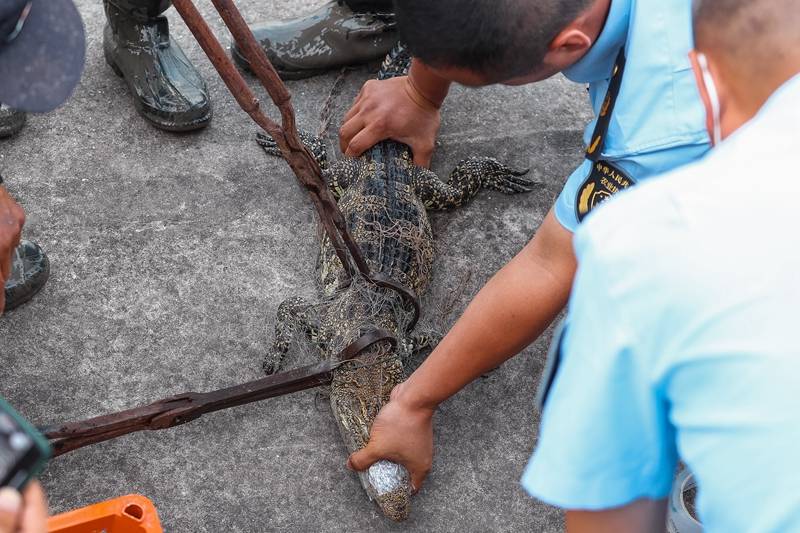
(658, 122)
(682, 339)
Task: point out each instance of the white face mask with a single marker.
(713, 97)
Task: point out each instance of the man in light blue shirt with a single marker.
(681, 335)
(650, 119)
(656, 119)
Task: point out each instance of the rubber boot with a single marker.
(167, 90)
(11, 121)
(30, 270)
(330, 37)
(366, 6)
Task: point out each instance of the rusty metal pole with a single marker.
(183, 408)
(286, 137)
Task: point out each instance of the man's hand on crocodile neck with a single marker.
(405, 109)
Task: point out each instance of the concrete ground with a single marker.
(170, 254)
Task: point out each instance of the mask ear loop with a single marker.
(713, 97)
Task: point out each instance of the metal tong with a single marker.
(183, 408)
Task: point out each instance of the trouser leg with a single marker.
(167, 90)
(336, 34)
(141, 10)
(362, 6)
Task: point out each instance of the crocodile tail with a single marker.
(397, 62)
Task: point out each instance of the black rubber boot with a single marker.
(367, 6)
(167, 90)
(330, 37)
(30, 270)
(11, 121)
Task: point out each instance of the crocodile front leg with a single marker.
(314, 144)
(344, 173)
(469, 176)
(338, 176)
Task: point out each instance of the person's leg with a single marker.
(337, 34)
(167, 90)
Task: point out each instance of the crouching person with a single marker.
(680, 340)
(42, 48)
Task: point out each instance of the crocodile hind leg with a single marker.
(469, 176)
(314, 144)
(294, 315)
(411, 346)
(414, 349)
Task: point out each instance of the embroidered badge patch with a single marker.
(604, 180)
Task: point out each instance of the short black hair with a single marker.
(502, 39)
(752, 35)
(714, 19)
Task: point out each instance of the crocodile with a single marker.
(384, 198)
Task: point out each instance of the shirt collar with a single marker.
(780, 109)
(596, 65)
(785, 99)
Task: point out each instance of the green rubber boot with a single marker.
(11, 121)
(167, 90)
(30, 270)
(330, 37)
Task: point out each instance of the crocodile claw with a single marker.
(314, 144)
(268, 144)
(509, 181)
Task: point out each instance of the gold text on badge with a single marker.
(604, 180)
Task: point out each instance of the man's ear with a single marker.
(709, 81)
(570, 40)
(703, 90)
(567, 48)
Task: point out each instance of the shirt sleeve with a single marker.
(639, 167)
(605, 438)
(565, 203)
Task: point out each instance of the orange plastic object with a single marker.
(128, 514)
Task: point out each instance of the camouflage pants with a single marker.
(145, 9)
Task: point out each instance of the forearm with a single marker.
(509, 313)
(427, 84)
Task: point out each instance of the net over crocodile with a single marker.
(383, 197)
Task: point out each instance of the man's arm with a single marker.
(511, 311)
(12, 218)
(641, 516)
(405, 109)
